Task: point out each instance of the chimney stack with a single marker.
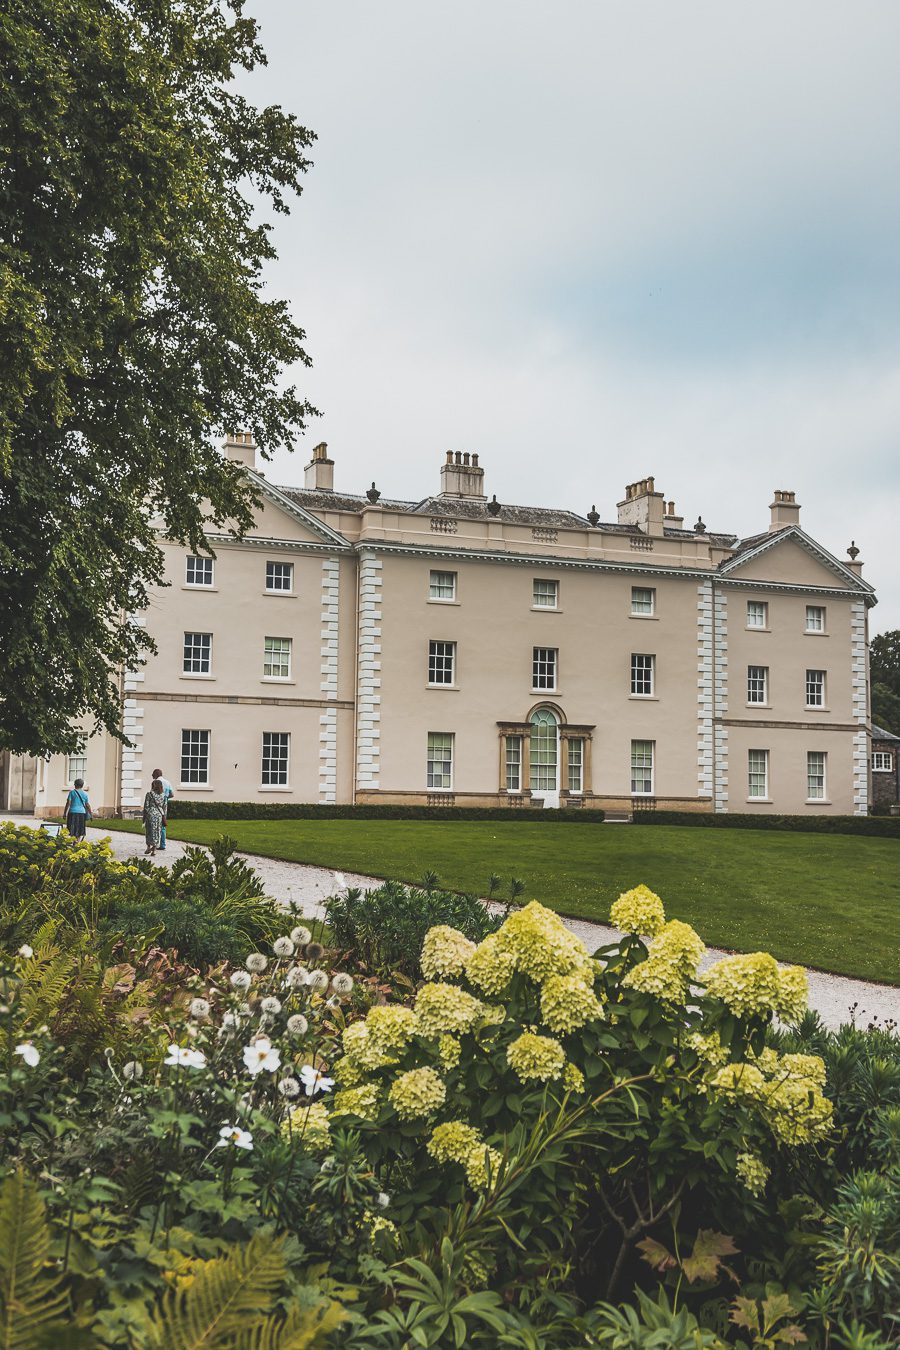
(241, 447)
(461, 476)
(319, 472)
(784, 511)
(675, 522)
(643, 506)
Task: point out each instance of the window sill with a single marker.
(818, 801)
(185, 587)
(814, 632)
(546, 609)
(277, 679)
(195, 787)
(543, 693)
(763, 707)
(754, 628)
(284, 595)
(766, 801)
(643, 616)
(436, 600)
(816, 707)
(643, 698)
(454, 687)
(874, 771)
(273, 787)
(195, 676)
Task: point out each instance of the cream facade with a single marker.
(459, 650)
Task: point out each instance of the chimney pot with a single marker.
(462, 476)
(319, 472)
(783, 510)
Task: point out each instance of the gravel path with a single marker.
(835, 997)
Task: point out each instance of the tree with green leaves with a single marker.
(134, 327)
(884, 672)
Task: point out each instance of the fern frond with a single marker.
(31, 1300)
(305, 1327)
(227, 1295)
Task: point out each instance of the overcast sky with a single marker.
(595, 240)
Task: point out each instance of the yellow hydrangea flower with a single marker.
(445, 952)
(536, 1057)
(792, 998)
(453, 1141)
(638, 911)
(449, 1051)
(709, 1048)
(476, 1164)
(357, 1101)
(752, 1172)
(308, 1127)
(540, 943)
(444, 1008)
(491, 966)
(747, 984)
(671, 964)
(418, 1092)
(567, 1003)
(573, 1078)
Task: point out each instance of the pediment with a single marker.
(280, 518)
(791, 558)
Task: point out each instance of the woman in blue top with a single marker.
(78, 810)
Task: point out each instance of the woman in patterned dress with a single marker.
(154, 816)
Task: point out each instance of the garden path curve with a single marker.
(835, 997)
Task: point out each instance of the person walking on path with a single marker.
(168, 791)
(154, 816)
(77, 809)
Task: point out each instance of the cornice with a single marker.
(814, 549)
(860, 589)
(271, 544)
(312, 522)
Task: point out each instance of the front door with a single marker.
(545, 757)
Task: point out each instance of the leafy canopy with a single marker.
(884, 658)
(134, 327)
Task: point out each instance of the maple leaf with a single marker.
(657, 1256)
(704, 1261)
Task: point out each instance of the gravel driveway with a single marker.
(835, 997)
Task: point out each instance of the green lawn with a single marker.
(828, 901)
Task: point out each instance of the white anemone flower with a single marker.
(261, 1056)
(199, 1008)
(297, 1025)
(283, 946)
(314, 1080)
(270, 1004)
(233, 1136)
(29, 1053)
(240, 980)
(26, 951)
(300, 936)
(317, 980)
(289, 1087)
(256, 963)
(182, 1056)
(342, 984)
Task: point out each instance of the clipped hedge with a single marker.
(184, 810)
(886, 828)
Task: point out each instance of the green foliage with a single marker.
(185, 810)
(873, 827)
(133, 330)
(33, 1301)
(383, 929)
(649, 1324)
(884, 667)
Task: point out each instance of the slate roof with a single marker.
(879, 734)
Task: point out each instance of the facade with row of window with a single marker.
(461, 650)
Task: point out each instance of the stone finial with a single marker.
(593, 516)
(700, 527)
(494, 506)
(853, 551)
(373, 494)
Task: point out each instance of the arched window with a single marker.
(544, 751)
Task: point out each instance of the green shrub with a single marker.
(185, 810)
(383, 929)
(727, 820)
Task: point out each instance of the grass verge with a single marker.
(827, 901)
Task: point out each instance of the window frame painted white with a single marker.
(432, 760)
(434, 585)
(276, 563)
(73, 773)
(643, 675)
(513, 763)
(763, 607)
(189, 652)
(822, 795)
(649, 591)
(201, 755)
(882, 768)
(575, 774)
(269, 654)
(822, 611)
(758, 680)
(757, 773)
(816, 690)
(647, 769)
(208, 567)
(441, 663)
(541, 666)
(271, 763)
(548, 599)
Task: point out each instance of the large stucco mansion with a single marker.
(459, 650)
